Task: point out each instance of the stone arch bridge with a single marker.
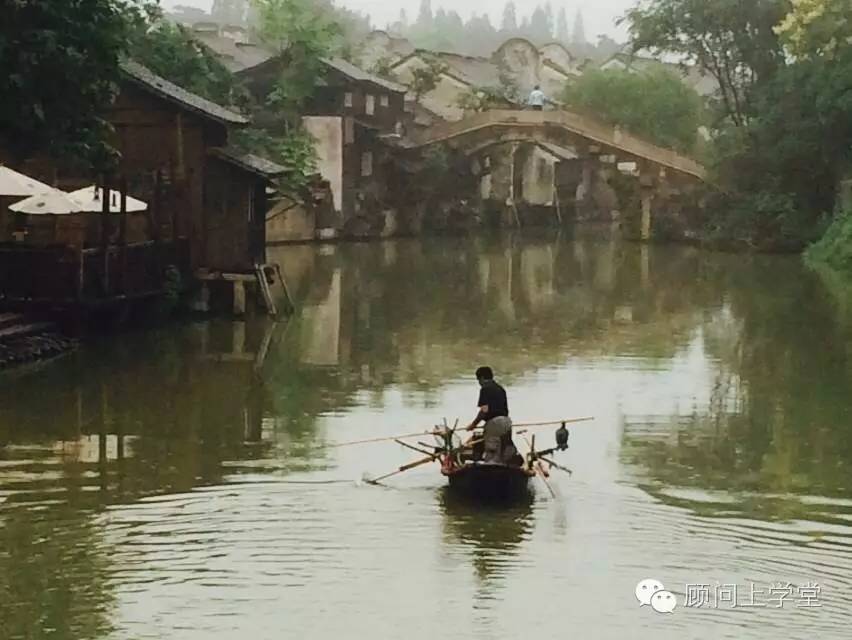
(588, 152)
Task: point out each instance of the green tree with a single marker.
(733, 41)
(425, 79)
(656, 105)
(782, 172)
(424, 16)
(541, 29)
(510, 19)
(304, 34)
(562, 27)
(59, 64)
(578, 35)
(171, 51)
(817, 27)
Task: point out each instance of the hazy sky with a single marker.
(599, 15)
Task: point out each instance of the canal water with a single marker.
(183, 483)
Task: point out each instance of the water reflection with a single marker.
(492, 536)
(776, 418)
(720, 385)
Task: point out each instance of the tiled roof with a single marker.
(350, 70)
(236, 56)
(250, 162)
(173, 93)
(479, 72)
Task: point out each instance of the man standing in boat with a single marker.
(493, 406)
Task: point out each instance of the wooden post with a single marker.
(556, 193)
(647, 196)
(122, 240)
(179, 143)
(105, 196)
(239, 297)
(512, 194)
(647, 184)
(239, 338)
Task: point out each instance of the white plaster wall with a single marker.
(443, 99)
(538, 178)
(328, 132)
(522, 60)
(552, 82)
(559, 55)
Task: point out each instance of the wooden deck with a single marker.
(64, 276)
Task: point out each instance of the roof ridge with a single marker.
(175, 93)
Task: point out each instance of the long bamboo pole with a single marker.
(418, 463)
(418, 434)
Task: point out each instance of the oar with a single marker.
(417, 463)
(558, 466)
(404, 468)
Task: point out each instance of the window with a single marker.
(371, 104)
(367, 163)
(349, 130)
(384, 101)
(348, 99)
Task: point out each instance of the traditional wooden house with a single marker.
(350, 114)
(207, 201)
(216, 195)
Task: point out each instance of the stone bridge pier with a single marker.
(572, 168)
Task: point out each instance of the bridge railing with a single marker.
(582, 126)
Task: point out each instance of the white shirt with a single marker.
(537, 98)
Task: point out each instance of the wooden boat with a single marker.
(488, 481)
(472, 477)
(495, 481)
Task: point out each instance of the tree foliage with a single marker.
(424, 79)
(656, 105)
(733, 41)
(304, 33)
(59, 64)
(171, 51)
(799, 146)
(444, 30)
(817, 27)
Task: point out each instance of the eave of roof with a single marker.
(248, 162)
(146, 79)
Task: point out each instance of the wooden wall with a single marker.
(234, 218)
(154, 136)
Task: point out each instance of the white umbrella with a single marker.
(54, 202)
(91, 198)
(17, 184)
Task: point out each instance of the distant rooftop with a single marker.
(236, 55)
(144, 77)
(356, 73)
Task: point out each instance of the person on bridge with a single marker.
(493, 407)
(537, 99)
